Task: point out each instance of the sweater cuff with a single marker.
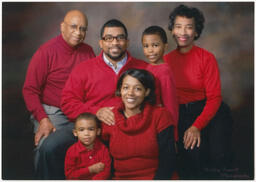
(40, 115)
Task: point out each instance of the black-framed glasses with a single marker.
(74, 27)
(110, 38)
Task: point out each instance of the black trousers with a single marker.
(215, 149)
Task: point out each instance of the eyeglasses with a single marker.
(74, 27)
(110, 38)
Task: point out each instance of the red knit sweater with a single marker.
(78, 159)
(48, 71)
(92, 85)
(166, 90)
(197, 78)
(133, 142)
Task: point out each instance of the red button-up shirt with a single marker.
(78, 159)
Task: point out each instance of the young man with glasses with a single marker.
(91, 85)
(46, 76)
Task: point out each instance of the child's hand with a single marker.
(96, 168)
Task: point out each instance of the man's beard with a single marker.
(116, 58)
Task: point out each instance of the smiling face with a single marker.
(115, 49)
(184, 32)
(86, 130)
(153, 48)
(73, 28)
(133, 94)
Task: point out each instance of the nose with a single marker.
(78, 31)
(183, 31)
(115, 41)
(130, 92)
(150, 49)
(86, 132)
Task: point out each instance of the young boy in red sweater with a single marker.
(154, 42)
(88, 158)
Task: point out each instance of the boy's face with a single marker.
(86, 130)
(153, 48)
(184, 31)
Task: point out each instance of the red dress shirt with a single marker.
(78, 159)
(48, 71)
(197, 77)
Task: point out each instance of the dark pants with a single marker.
(50, 153)
(214, 152)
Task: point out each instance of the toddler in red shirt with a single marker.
(88, 158)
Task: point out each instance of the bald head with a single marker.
(73, 28)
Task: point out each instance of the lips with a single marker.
(183, 38)
(130, 100)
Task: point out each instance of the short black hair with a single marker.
(188, 12)
(145, 78)
(156, 30)
(88, 116)
(113, 23)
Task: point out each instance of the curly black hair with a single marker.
(188, 12)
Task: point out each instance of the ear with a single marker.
(74, 132)
(101, 43)
(165, 47)
(98, 131)
(62, 27)
(147, 92)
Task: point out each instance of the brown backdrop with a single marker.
(228, 33)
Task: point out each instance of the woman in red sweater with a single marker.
(205, 122)
(142, 140)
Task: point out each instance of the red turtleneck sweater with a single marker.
(133, 142)
(197, 77)
(48, 71)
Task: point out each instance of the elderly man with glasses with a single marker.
(47, 73)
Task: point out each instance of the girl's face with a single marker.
(133, 94)
(184, 32)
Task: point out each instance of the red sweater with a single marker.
(166, 90)
(133, 142)
(92, 85)
(48, 71)
(197, 77)
(78, 159)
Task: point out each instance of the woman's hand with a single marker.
(106, 115)
(191, 137)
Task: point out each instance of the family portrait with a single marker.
(127, 90)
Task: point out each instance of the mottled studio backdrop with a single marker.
(228, 33)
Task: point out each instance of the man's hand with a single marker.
(96, 168)
(44, 129)
(106, 115)
(191, 137)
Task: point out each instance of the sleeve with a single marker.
(169, 97)
(163, 119)
(105, 174)
(34, 82)
(73, 99)
(212, 86)
(167, 154)
(71, 169)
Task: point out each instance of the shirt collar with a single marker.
(82, 148)
(119, 64)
